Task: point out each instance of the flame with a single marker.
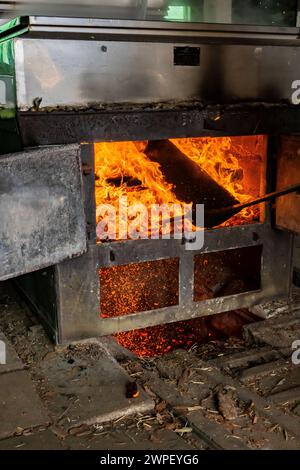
(138, 179)
(122, 159)
(124, 170)
(215, 156)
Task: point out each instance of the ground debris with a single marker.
(60, 432)
(183, 381)
(149, 391)
(82, 430)
(190, 389)
(161, 406)
(184, 430)
(19, 431)
(227, 404)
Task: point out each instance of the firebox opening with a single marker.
(147, 286)
(218, 172)
(139, 287)
(225, 273)
(162, 339)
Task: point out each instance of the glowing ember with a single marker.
(161, 339)
(139, 287)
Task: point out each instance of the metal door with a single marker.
(42, 220)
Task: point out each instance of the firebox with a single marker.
(165, 173)
(153, 113)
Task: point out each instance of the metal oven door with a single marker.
(288, 173)
(42, 220)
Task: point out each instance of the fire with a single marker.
(216, 157)
(124, 170)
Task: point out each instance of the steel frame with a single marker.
(75, 283)
(79, 293)
(78, 288)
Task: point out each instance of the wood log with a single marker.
(229, 323)
(190, 182)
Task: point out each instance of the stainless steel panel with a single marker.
(77, 296)
(44, 23)
(271, 12)
(41, 209)
(68, 73)
(79, 307)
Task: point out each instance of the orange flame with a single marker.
(215, 156)
(123, 169)
(136, 177)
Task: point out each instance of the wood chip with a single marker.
(159, 418)
(184, 430)
(59, 432)
(79, 430)
(194, 408)
(188, 409)
(161, 406)
(146, 425)
(149, 391)
(274, 428)
(19, 431)
(183, 381)
(227, 405)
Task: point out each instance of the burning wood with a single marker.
(189, 181)
(219, 172)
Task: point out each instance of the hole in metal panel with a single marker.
(225, 273)
(162, 339)
(215, 171)
(139, 287)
